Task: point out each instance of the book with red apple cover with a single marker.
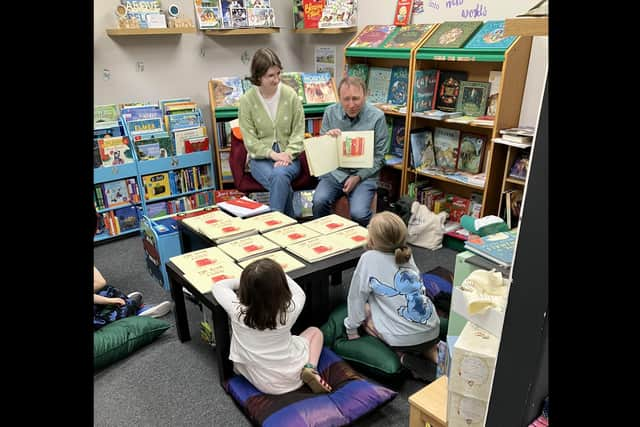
(247, 247)
(191, 262)
(286, 261)
(329, 224)
(291, 234)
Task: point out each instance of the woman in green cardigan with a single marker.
(272, 125)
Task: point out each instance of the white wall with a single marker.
(178, 66)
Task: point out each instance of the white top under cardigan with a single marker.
(271, 359)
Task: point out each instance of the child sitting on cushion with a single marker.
(263, 349)
(387, 298)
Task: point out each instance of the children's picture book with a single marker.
(286, 261)
(238, 17)
(329, 224)
(422, 152)
(398, 86)
(472, 99)
(452, 34)
(406, 36)
(319, 88)
(378, 86)
(260, 17)
(520, 164)
(496, 247)
(270, 221)
(404, 8)
(248, 247)
(290, 234)
(293, 79)
(352, 237)
(105, 115)
(490, 36)
(318, 248)
(350, 150)
(127, 218)
(298, 14)
(372, 36)
(339, 13)
(191, 262)
(204, 279)
(243, 207)
(426, 83)
(115, 151)
(449, 89)
(397, 137)
(471, 152)
(227, 91)
(156, 186)
(445, 143)
(115, 193)
(494, 90)
(208, 14)
(359, 70)
(312, 12)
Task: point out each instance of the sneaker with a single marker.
(421, 368)
(157, 310)
(136, 297)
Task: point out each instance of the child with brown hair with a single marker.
(387, 298)
(263, 350)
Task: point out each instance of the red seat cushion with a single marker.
(246, 183)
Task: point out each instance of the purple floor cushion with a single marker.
(352, 397)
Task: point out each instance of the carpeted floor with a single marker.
(168, 383)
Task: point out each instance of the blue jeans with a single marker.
(277, 181)
(329, 190)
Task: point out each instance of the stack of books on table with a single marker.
(319, 248)
(270, 221)
(221, 227)
(290, 235)
(286, 261)
(329, 224)
(243, 207)
(204, 267)
(247, 247)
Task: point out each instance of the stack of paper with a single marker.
(247, 247)
(291, 234)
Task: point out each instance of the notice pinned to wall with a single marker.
(325, 60)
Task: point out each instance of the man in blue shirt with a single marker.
(353, 113)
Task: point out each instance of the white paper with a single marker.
(325, 60)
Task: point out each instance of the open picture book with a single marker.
(349, 150)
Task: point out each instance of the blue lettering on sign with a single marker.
(451, 3)
(479, 10)
(433, 4)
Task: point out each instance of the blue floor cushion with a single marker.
(352, 397)
(118, 339)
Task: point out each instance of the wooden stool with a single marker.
(429, 405)
(341, 206)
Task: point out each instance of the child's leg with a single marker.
(309, 373)
(315, 339)
(368, 325)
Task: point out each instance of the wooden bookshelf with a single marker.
(527, 26)
(242, 31)
(341, 30)
(116, 32)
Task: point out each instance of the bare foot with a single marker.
(316, 383)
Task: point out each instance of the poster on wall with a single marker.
(325, 60)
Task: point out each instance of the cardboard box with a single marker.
(473, 363)
(464, 411)
(491, 319)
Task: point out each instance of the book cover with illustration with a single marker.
(248, 247)
(260, 17)
(449, 89)
(193, 261)
(227, 91)
(156, 186)
(398, 85)
(286, 261)
(319, 248)
(352, 149)
(127, 218)
(312, 12)
(422, 152)
(446, 143)
(270, 221)
(397, 137)
(359, 70)
(293, 79)
(472, 98)
(115, 193)
(372, 36)
(290, 234)
(452, 34)
(319, 88)
(339, 13)
(404, 9)
(520, 164)
(496, 247)
(378, 86)
(490, 36)
(407, 36)
(471, 152)
(115, 151)
(352, 237)
(208, 14)
(425, 85)
(203, 279)
(329, 224)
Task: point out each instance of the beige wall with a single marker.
(179, 66)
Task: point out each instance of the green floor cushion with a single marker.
(367, 354)
(122, 337)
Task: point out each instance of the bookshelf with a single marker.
(118, 32)
(341, 30)
(512, 63)
(242, 31)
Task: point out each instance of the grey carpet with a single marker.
(168, 383)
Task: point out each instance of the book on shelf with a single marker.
(446, 143)
(452, 34)
(318, 248)
(339, 13)
(294, 81)
(406, 36)
(404, 9)
(115, 193)
(238, 17)
(227, 91)
(286, 261)
(518, 134)
(497, 247)
(208, 14)
(204, 279)
(298, 14)
(319, 88)
(485, 120)
(243, 207)
(494, 91)
(153, 146)
(471, 152)
(359, 70)
(437, 114)
(291, 234)
(329, 224)
(422, 152)
(312, 12)
(449, 89)
(127, 218)
(461, 119)
(115, 151)
(398, 84)
(350, 150)
(372, 36)
(352, 237)
(490, 36)
(191, 262)
(270, 221)
(397, 138)
(261, 17)
(105, 116)
(424, 90)
(156, 186)
(378, 86)
(520, 165)
(513, 143)
(472, 100)
(247, 247)
(180, 136)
